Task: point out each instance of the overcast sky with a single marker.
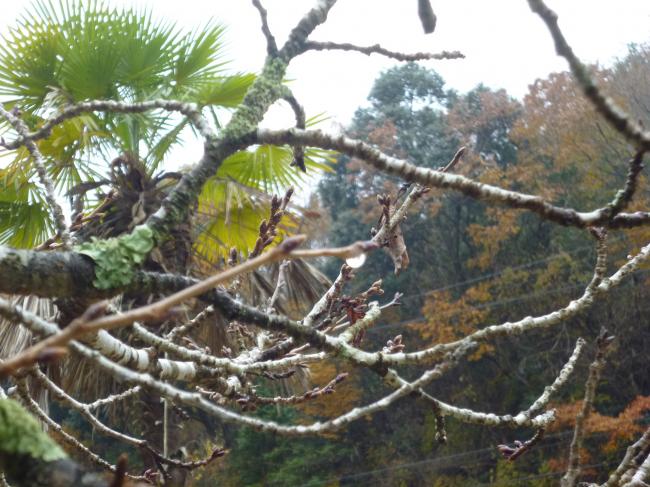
(506, 45)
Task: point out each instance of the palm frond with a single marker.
(304, 285)
(15, 338)
(197, 57)
(268, 168)
(223, 91)
(24, 219)
(161, 146)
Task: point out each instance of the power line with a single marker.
(554, 474)
(490, 304)
(439, 461)
(490, 275)
(444, 461)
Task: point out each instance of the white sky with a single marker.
(506, 45)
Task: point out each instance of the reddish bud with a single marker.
(290, 244)
(264, 226)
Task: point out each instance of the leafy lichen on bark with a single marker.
(21, 435)
(116, 258)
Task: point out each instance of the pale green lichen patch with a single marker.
(116, 258)
(266, 89)
(20, 434)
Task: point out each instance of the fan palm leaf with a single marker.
(69, 51)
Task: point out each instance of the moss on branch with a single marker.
(116, 259)
(21, 435)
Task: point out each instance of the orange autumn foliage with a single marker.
(449, 320)
(346, 396)
(619, 430)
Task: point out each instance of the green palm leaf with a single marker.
(268, 168)
(234, 202)
(24, 219)
(223, 91)
(67, 51)
(229, 215)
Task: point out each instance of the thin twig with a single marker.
(299, 113)
(512, 453)
(271, 46)
(179, 331)
(624, 196)
(377, 49)
(607, 107)
(603, 347)
(280, 284)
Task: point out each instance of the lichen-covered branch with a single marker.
(190, 110)
(443, 180)
(43, 176)
(377, 49)
(231, 366)
(46, 274)
(560, 380)
(641, 475)
(642, 445)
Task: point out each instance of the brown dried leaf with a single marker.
(396, 248)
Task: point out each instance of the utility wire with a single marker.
(444, 461)
(516, 299)
(525, 265)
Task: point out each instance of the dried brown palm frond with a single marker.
(305, 284)
(14, 338)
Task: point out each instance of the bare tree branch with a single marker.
(603, 347)
(377, 49)
(271, 46)
(614, 114)
(439, 179)
(629, 460)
